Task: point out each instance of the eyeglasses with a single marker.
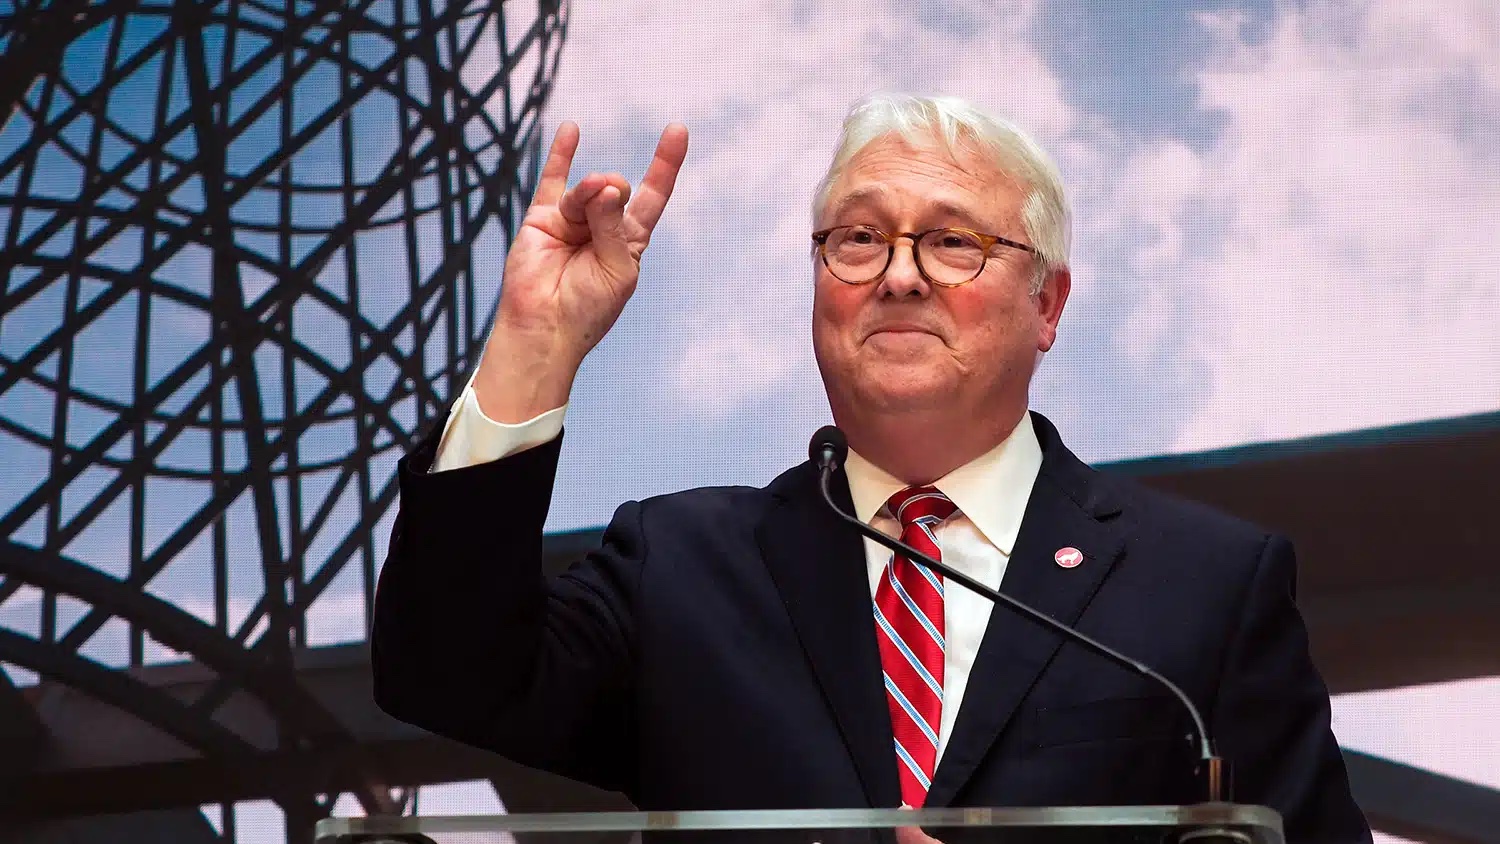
(946, 257)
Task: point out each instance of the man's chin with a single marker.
(899, 348)
(907, 393)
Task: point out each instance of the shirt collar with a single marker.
(992, 490)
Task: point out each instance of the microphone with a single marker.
(828, 450)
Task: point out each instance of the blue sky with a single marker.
(1130, 62)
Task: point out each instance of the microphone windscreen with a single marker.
(828, 437)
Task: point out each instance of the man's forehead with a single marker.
(955, 202)
(968, 198)
(896, 152)
(886, 165)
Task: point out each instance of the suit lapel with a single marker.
(1066, 509)
(818, 563)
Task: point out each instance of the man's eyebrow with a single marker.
(950, 209)
(855, 197)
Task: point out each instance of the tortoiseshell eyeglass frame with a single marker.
(987, 242)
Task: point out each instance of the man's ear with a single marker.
(1050, 301)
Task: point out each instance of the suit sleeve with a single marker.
(471, 641)
(1272, 715)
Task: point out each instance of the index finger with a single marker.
(553, 180)
(661, 176)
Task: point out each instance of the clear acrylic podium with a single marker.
(1211, 823)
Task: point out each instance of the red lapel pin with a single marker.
(1068, 557)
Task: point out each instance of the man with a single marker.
(725, 648)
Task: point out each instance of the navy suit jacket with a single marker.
(718, 650)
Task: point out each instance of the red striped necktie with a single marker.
(910, 629)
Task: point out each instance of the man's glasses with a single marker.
(946, 257)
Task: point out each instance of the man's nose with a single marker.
(903, 277)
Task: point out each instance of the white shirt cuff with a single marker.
(471, 438)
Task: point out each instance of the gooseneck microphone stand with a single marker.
(828, 450)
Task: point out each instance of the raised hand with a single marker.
(572, 267)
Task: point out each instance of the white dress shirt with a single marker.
(471, 438)
(991, 494)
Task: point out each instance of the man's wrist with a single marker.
(513, 400)
(516, 383)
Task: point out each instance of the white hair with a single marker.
(957, 124)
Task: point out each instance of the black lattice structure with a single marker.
(248, 249)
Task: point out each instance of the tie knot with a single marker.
(917, 504)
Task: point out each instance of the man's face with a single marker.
(900, 343)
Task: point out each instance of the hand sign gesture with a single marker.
(571, 268)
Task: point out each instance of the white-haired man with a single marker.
(742, 648)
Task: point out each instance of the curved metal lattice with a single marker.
(248, 249)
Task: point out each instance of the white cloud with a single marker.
(1353, 281)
